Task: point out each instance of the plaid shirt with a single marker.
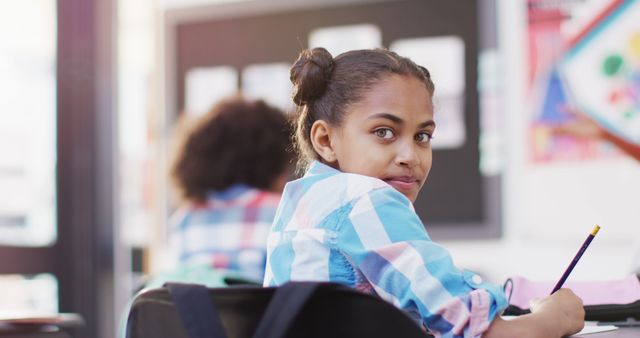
(228, 231)
(360, 231)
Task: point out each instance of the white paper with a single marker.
(339, 39)
(589, 328)
(444, 57)
(206, 86)
(269, 82)
(594, 329)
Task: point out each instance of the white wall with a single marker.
(550, 209)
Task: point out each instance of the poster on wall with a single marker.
(584, 55)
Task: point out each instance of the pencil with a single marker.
(576, 259)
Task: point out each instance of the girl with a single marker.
(364, 127)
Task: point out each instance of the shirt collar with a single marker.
(319, 168)
(231, 192)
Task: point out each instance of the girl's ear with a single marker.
(321, 140)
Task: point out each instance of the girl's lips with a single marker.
(403, 183)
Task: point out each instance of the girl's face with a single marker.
(387, 135)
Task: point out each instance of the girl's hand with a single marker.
(555, 316)
(564, 309)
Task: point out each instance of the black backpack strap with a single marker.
(288, 300)
(199, 317)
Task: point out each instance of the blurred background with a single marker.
(91, 92)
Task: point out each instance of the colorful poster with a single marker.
(584, 55)
(602, 70)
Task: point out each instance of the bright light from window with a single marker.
(27, 122)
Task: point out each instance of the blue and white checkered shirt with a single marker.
(360, 231)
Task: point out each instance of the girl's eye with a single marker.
(423, 137)
(384, 133)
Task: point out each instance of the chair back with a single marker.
(297, 309)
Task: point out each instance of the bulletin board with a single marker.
(456, 196)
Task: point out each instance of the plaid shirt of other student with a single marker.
(226, 232)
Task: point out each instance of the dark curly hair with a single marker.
(324, 86)
(238, 141)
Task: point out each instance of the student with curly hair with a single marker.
(230, 169)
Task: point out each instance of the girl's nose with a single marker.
(408, 155)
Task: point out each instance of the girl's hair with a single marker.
(238, 141)
(324, 87)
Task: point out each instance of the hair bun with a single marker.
(310, 74)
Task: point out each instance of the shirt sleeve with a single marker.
(386, 241)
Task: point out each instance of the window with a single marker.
(27, 151)
(27, 123)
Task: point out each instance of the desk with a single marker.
(31, 332)
(50, 326)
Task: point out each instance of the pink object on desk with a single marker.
(619, 291)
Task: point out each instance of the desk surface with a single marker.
(30, 332)
(45, 326)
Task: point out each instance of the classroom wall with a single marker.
(548, 210)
